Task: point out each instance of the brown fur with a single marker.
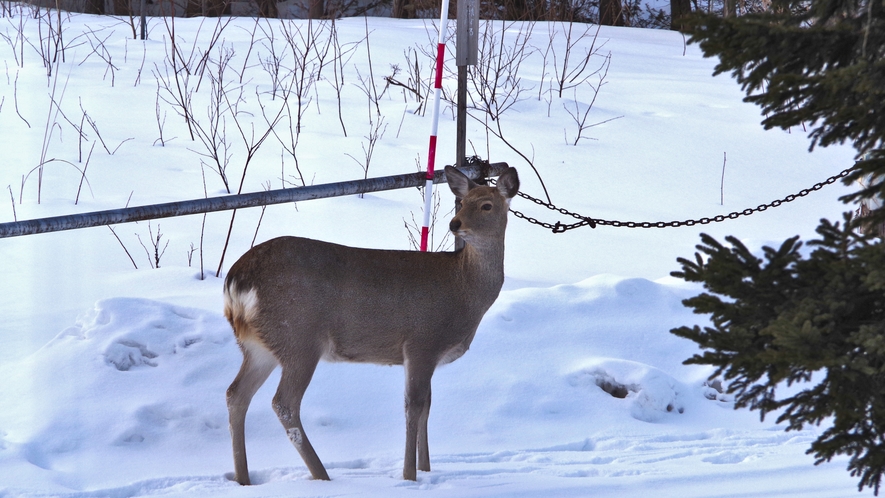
(294, 301)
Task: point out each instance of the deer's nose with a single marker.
(454, 225)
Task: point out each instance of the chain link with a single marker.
(560, 227)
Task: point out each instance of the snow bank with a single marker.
(571, 382)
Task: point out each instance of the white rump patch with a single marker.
(241, 304)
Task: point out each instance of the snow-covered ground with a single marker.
(112, 378)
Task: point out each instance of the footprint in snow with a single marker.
(126, 354)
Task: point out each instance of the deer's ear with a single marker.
(508, 183)
(458, 182)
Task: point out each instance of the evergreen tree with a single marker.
(817, 320)
(787, 318)
(817, 62)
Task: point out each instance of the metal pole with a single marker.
(143, 21)
(212, 204)
(466, 54)
(461, 141)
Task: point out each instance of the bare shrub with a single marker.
(155, 241)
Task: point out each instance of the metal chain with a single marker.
(560, 227)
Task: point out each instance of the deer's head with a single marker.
(482, 218)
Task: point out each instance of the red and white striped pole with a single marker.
(431, 153)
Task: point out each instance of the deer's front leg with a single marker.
(418, 375)
(423, 448)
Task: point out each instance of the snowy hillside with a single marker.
(113, 377)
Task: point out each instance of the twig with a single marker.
(39, 170)
(202, 231)
(499, 134)
(722, 183)
(148, 253)
(12, 198)
(83, 175)
(581, 119)
(251, 45)
(160, 122)
(190, 255)
(374, 96)
(233, 214)
(15, 90)
(155, 242)
(51, 123)
(141, 68)
(252, 145)
(338, 61)
(94, 127)
(570, 77)
(121, 144)
(414, 229)
(203, 225)
(255, 237)
(213, 135)
(123, 246)
(376, 132)
(103, 54)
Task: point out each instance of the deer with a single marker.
(294, 301)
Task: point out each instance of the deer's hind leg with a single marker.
(257, 365)
(287, 404)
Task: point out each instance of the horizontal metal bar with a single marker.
(229, 202)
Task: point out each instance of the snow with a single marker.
(113, 378)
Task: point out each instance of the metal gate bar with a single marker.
(228, 202)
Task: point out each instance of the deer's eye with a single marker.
(487, 206)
